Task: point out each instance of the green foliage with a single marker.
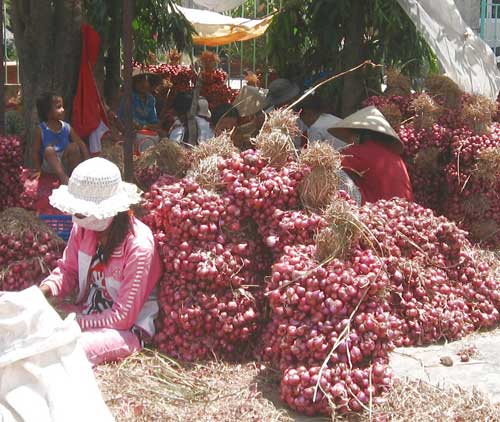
(311, 35)
(157, 24)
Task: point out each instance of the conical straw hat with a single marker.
(368, 118)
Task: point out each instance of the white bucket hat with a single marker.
(368, 118)
(203, 110)
(95, 189)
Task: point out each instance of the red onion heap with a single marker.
(410, 278)
(211, 294)
(11, 159)
(29, 249)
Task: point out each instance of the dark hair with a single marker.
(120, 227)
(226, 110)
(366, 134)
(137, 79)
(44, 105)
(182, 103)
(312, 102)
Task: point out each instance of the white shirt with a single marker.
(318, 131)
(204, 130)
(177, 131)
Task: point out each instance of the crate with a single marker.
(61, 224)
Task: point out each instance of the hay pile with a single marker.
(478, 112)
(320, 186)
(397, 84)
(205, 159)
(427, 111)
(418, 401)
(445, 89)
(150, 387)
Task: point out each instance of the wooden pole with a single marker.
(127, 91)
(2, 70)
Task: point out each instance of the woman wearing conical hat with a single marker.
(373, 156)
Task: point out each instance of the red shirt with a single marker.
(381, 172)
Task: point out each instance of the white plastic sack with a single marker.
(44, 374)
(465, 57)
(220, 5)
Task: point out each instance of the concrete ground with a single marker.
(431, 364)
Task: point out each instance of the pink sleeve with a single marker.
(64, 278)
(134, 291)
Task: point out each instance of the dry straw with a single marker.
(393, 115)
(321, 185)
(151, 387)
(344, 230)
(275, 146)
(478, 112)
(427, 111)
(418, 401)
(19, 220)
(488, 166)
(168, 156)
(206, 173)
(221, 146)
(397, 83)
(443, 87)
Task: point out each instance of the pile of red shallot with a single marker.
(29, 249)
(410, 279)
(11, 160)
(182, 79)
(452, 150)
(211, 294)
(251, 265)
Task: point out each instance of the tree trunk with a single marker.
(48, 41)
(112, 79)
(2, 73)
(354, 54)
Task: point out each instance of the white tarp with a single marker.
(213, 29)
(465, 57)
(44, 373)
(220, 5)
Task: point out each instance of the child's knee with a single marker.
(73, 149)
(50, 152)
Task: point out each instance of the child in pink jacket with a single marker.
(110, 263)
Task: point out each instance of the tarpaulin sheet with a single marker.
(220, 5)
(213, 29)
(464, 56)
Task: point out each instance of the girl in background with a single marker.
(57, 149)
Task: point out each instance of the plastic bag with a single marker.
(44, 374)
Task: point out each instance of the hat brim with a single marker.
(344, 134)
(279, 100)
(370, 119)
(126, 195)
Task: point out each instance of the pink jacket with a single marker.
(131, 274)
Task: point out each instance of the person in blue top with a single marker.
(57, 149)
(143, 105)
